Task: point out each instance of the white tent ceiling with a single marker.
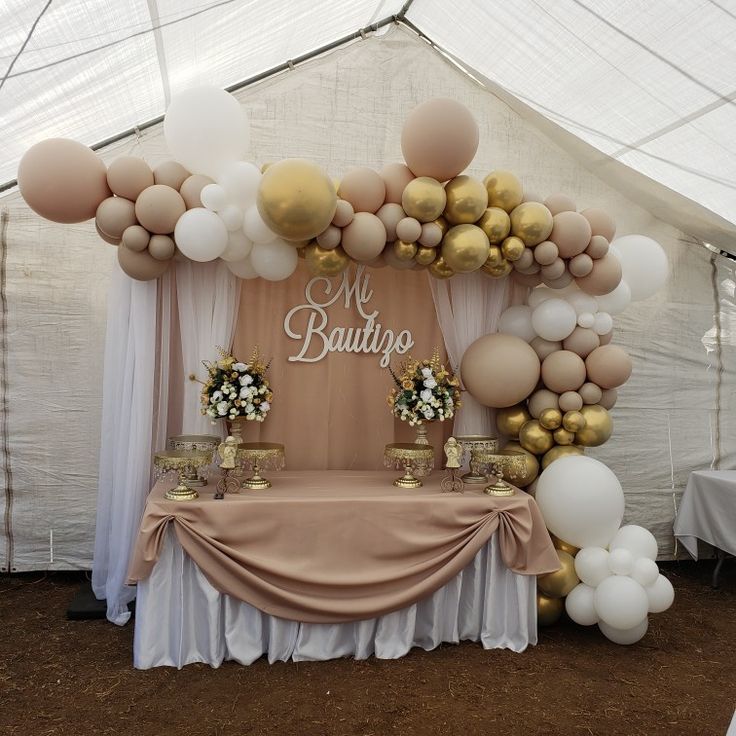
(650, 85)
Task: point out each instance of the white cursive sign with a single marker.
(371, 338)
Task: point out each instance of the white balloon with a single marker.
(554, 319)
(581, 302)
(581, 501)
(643, 264)
(591, 565)
(517, 321)
(624, 636)
(238, 247)
(274, 261)
(580, 605)
(638, 540)
(620, 561)
(540, 294)
(617, 300)
(232, 216)
(240, 180)
(586, 319)
(201, 235)
(602, 323)
(621, 602)
(660, 595)
(213, 197)
(205, 128)
(645, 571)
(255, 228)
(243, 269)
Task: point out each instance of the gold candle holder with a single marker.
(470, 442)
(414, 459)
(194, 442)
(260, 455)
(185, 463)
(511, 465)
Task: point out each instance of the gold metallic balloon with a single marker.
(510, 420)
(598, 426)
(467, 200)
(513, 248)
(424, 199)
(531, 464)
(564, 546)
(532, 222)
(496, 224)
(497, 272)
(404, 251)
(495, 257)
(573, 421)
(504, 190)
(560, 451)
(549, 610)
(442, 224)
(439, 269)
(551, 418)
(535, 438)
(559, 583)
(563, 437)
(296, 199)
(465, 248)
(425, 256)
(321, 262)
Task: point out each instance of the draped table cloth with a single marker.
(334, 563)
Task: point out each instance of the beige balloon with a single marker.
(557, 203)
(581, 341)
(563, 371)
(499, 370)
(541, 400)
(580, 265)
(344, 213)
(572, 401)
(409, 230)
(365, 237)
(128, 176)
(431, 235)
(141, 265)
(395, 178)
(171, 174)
(467, 200)
(597, 248)
(192, 188)
(161, 247)
(114, 215)
(590, 393)
(528, 280)
(559, 283)
(106, 238)
(546, 253)
(363, 188)
(554, 270)
(158, 208)
(601, 223)
(390, 214)
(526, 259)
(608, 398)
(603, 278)
(543, 347)
(608, 366)
(570, 233)
(136, 238)
(327, 239)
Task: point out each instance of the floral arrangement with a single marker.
(425, 391)
(234, 389)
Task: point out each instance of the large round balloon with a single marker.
(624, 636)
(158, 208)
(467, 200)
(363, 188)
(365, 237)
(581, 500)
(296, 199)
(621, 602)
(128, 176)
(608, 366)
(62, 180)
(643, 263)
(201, 235)
(500, 370)
(465, 248)
(274, 261)
(439, 138)
(580, 605)
(638, 540)
(205, 128)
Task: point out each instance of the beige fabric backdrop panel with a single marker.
(678, 412)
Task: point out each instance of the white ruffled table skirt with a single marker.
(180, 618)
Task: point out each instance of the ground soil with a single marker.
(76, 677)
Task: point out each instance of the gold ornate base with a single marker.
(474, 478)
(499, 488)
(408, 481)
(196, 481)
(182, 492)
(256, 483)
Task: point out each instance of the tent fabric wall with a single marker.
(341, 110)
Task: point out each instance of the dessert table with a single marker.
(334, 563)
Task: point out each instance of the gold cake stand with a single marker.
(186, 463)
(510, 465)
(414, 459)
(470, 442)
(259, 456)
(198, 443)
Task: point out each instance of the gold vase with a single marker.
(236, 427)
(422, 438)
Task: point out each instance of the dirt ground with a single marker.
(76, 677)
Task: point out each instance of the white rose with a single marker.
(246, 380)
(427, 372)
(251, 416)
(262, 390)
(240, 367)
(430, 383)
(249, 408)
(265, 406)
(244, 392)
(426, 394)
(222, 408)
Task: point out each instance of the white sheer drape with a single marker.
(208, 296)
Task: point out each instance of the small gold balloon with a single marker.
(563, 437)
(531, 464)
(442, 224)
(439, 269)
(559, 583)
(504, 190)
(513, 248)
(532, 222)
(497, 272)
(467, 200)
(598, 426)
(564, 546)
(549, 610)
(404, 251)
(573, 421)
(321, 262)
(550, 418)
(510, 420)
(496, 224)
(535, 438)
(424, 199)
(425, 256)
(495, 257)
(296, 199)
(559, 451)
(465, 248)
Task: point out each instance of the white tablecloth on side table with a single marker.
(708, 511)
(180, 618)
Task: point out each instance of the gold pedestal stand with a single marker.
(510, 465)
(470, 442)
(186, 463)
(414, 459)
(260, 455)
(194, 442)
